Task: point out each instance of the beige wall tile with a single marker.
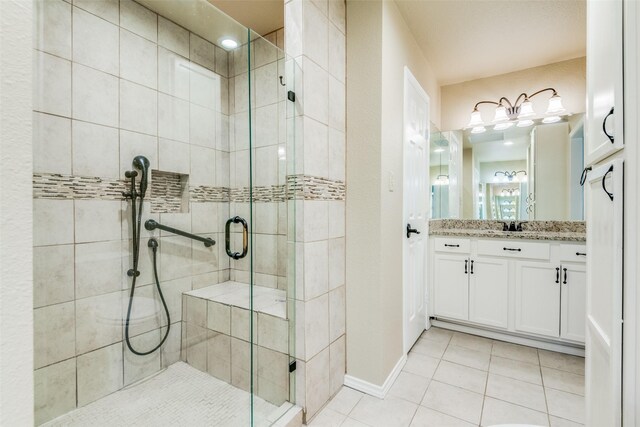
(53, 275)
(54, 335)
(138, 19)
(139, 367)
(51, 84)
(138, 59)
(53, 32)
(95, 42)
(173, 37)
(98, 321)
(52, 222)
(95, 96)
(99, 373)
(55, 390)
(95, 150)
(107, 9)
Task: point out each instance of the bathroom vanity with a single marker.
(527, 287)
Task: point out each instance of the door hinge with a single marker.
(291, 95)
(292, 366)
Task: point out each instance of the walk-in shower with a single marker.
(165, 170)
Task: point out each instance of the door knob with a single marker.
(411, 230)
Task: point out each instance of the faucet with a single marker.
(512, 226)
(520, 225)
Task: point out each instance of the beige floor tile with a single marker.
(350, 422)
(516, 369)
(389, 412)
(563, 380)
(345, 400)
(461, 376)
(472, 341)
(327, 418)
(565, 405)
(421, 365)
(437, 334)
(563, 362)
(516, 391)
(561, 422)
(515, 352)
(429, 347)
(497, 412)
(467, 357)
(409, 387)
(454, 401)
(426, 417)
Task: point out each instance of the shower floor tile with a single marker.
(179, 396)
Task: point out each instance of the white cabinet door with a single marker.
(604, 79)
(538, 298)
(489, 291)
(574, 302)
(451, 287)
(603, 343)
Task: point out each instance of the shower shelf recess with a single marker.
(265, 300)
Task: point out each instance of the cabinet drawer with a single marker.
(514, 249)
(573, 253)
(452, 245)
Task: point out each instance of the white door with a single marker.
(538, 298)
(604, 80)
(489, 292)
(603, 344)
(451, 286)
(416, 207)
(573, 302)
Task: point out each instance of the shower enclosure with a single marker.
(118, 81)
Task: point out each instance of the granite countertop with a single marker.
(570, 231)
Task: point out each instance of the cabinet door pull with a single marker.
(564, 282)
(466, 262)
(512, 249)
(451, 246)
(604, 125)
(604, 185)
(557, 274)
(581, 254)
(471, 266)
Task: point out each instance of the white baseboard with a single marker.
(567, 348)
(373, 389)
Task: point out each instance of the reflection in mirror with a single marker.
(444, 170)
(517, 174)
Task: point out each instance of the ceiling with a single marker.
(470, 39)
(263, 16)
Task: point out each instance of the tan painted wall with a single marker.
(379, 45)
(567, 77)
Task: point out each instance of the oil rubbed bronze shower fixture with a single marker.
(519, 112)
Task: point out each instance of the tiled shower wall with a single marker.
(315, 39)
(114, 80)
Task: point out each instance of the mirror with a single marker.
(517, 174)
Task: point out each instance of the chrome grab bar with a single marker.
(245, 237)
(152, 225)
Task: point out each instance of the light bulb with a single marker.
(438, 150)
(551, 119)
(501, 114)
(555, 105)
(524, 123)
(508, 143)
(478, 129)
(476, 119)
(503, 126)
(526, 110)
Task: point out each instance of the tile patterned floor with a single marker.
(456, 379)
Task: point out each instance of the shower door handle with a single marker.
(245, 237)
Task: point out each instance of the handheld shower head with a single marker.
(142, 163)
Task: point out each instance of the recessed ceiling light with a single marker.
(508, 143)
(228, 43)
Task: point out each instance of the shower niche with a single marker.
(217, 129)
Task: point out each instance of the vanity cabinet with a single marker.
(535, 289)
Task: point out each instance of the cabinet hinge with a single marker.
(292, 366)
(291, 95)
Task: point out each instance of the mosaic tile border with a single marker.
(298, 187)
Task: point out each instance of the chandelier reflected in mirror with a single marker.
(519, 113)
(512, 176)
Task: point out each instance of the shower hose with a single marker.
(134, 273)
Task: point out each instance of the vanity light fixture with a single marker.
(520, 112)
(441, 180)
(511, 192)
(438, 150)
(512, 176)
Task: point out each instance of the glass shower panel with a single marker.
(158, 115)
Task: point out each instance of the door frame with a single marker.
(410, 80)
